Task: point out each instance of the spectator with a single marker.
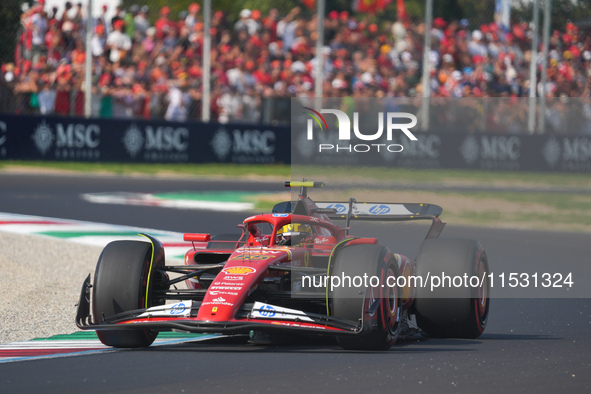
(99, 41)
(178, 100)
(272, 57)
(118, 43)
(129, 20)
(102, 19)
(39, 26)
(76, 15)
(46, 96)
(246, 23)
(164, 24)
(192, 18)
(141, 22)
(123, 98)
(26, 89)
(63, 88)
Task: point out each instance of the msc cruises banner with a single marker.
(482, 151)
(140, 141)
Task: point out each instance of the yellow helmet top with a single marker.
(295, 229)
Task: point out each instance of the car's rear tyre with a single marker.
(121, 283)
(381, 326)
(453, 310)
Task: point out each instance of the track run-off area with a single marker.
(531, 345)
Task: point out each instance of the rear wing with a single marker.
(353, 210)
(378, 211)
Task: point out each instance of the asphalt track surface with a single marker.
(530, 345)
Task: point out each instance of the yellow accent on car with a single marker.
(304, 184)
(149, 270)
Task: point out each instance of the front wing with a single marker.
(249, 318)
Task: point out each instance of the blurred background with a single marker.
(145, 59)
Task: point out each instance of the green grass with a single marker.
(444, 176)
(562, 201)
(541, 210)
(327, 174)
(264, 206)
(199, 170)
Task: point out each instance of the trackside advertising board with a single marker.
(158, 141)
(484, 134)
(139, 141)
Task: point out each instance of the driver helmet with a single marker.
(294, 234)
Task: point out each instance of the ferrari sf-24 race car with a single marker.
(279, 276)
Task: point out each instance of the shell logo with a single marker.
(239, 270)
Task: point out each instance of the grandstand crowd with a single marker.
(154, 70)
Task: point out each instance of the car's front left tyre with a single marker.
(122, 283)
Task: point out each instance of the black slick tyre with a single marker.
(453, 310)
(377, 307)
(121, 283)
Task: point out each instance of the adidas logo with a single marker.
(219, 299)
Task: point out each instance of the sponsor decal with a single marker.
(212, 292)
(71, 140)
(250, 256)
(224, 303)
(280, 215)
(321, 240)
(492, 152)
(222, 283)
(267, 311)
(306, 258)
(157, 143)
(43, 137)
(239, 270)
(244, 146)
(425, 152)
(568, 153)
(318, 220)
(133, 140)
(219, 301)
(551, 152)
(226, 288)
(178, 309)
(262, 310)
(233, 277)
(221, 143)
(469, 150)
(339, 207)
(379, 209)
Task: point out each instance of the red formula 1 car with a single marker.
(292, 271)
